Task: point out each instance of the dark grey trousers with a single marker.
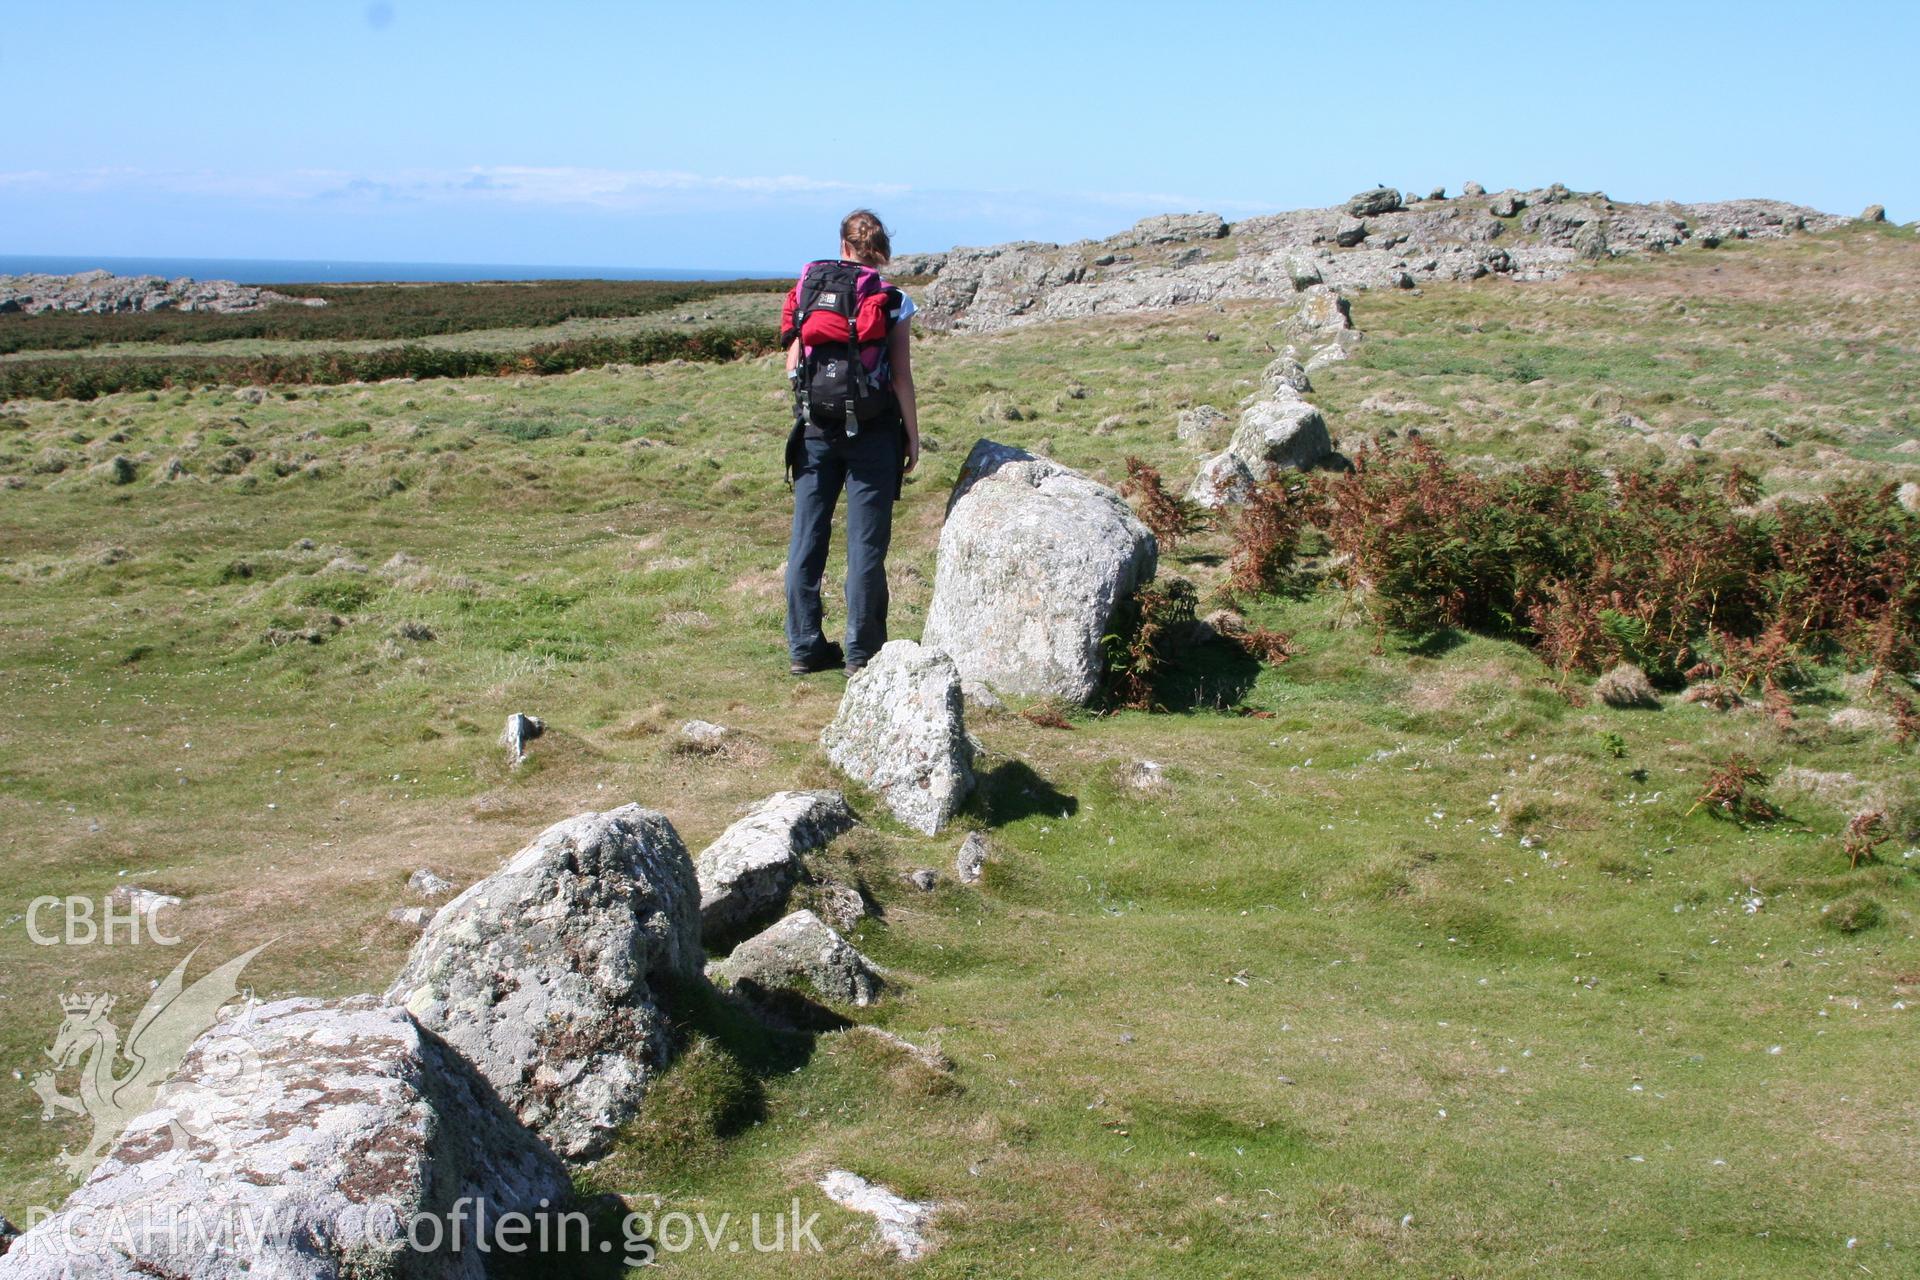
(868, 469)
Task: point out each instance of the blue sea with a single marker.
(336, 271)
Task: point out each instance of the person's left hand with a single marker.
(913, 453)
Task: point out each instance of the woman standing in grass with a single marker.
(856, 427)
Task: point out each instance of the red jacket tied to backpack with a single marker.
(814, 311)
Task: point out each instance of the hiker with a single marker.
(856, 428)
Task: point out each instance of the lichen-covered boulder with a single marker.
(1280, 432)
(1199, 424)
(802, 949)
(901, 730)
(300, 1139)
(1033, 560)
(747, 873)
(1284, 373)
(1223, 481)
(1322, 310)
(548, 975)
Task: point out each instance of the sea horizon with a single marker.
(345, 271)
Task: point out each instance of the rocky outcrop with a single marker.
(747, 873)
(1033, 560)
(103, 293)
(301, 1139)
(1173, 228)
(548, 975)
(1376, 240)
(908, 266)
(802, 952)
(901, 730)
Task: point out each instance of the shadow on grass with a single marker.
(1216, 676)
(768, 1031)
(1011, 791)
(1437, 644)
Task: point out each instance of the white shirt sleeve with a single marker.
(905, 310)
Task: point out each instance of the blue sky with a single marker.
(734, 134)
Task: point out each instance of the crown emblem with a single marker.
(84, 1003)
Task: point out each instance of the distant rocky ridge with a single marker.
(103, 293)
(1377, 239)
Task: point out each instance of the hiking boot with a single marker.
(830, 658)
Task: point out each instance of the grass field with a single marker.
(1418, 969)
(760, 306)
(354, 312)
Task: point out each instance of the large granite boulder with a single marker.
(747, 873)
(548, 975)
(1279, 432)
(901, 730)
(1033, 560)
(301, 1140)
(1378, 200)
(802, 951)
(1175, 228)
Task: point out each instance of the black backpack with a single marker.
(842, 313)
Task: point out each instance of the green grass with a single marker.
(757, 306)
(1417, 969)
(86, 377)
(383, 312)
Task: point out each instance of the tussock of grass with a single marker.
(703, 1099)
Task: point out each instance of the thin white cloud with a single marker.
(1172, 201)
(998, 213)
(517, 184)
(594, 186)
